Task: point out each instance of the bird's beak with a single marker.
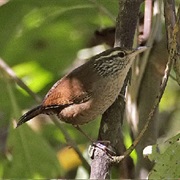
(138, 51)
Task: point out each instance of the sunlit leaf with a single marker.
(33, 75)
(128, 142)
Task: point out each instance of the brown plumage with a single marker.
(89, 90)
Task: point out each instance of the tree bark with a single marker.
(110, 128)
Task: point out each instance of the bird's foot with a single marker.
(102, 145)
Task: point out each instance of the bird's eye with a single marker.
(121, 54)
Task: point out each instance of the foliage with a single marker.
(39, 39)
(167, 162)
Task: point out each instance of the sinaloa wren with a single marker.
(86, 92)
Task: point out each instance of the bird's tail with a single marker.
(30, 114)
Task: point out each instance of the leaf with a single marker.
(31, 156)
(69, 158)
(167, 163)
(35, 77)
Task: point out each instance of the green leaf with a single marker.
(35, 77)
(30, 156)
(28, 153)
(167, 163)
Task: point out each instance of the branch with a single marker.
(177, 61)
(150, 41)
(110, 128)
(170, 20)
(100, 167)
(12, 75)
(71, 142)
(147, 21)
(126, 22)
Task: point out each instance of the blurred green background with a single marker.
(39, 40)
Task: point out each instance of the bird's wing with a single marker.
(76, 87)
(67, 91)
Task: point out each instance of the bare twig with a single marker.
(170, 19)
(12, 75)
(137, 115)
(147, 21)
(71, 142)
(177, 61)
(149, 43)
(110, 128)
(100, 168)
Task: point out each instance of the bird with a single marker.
(87, 91)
